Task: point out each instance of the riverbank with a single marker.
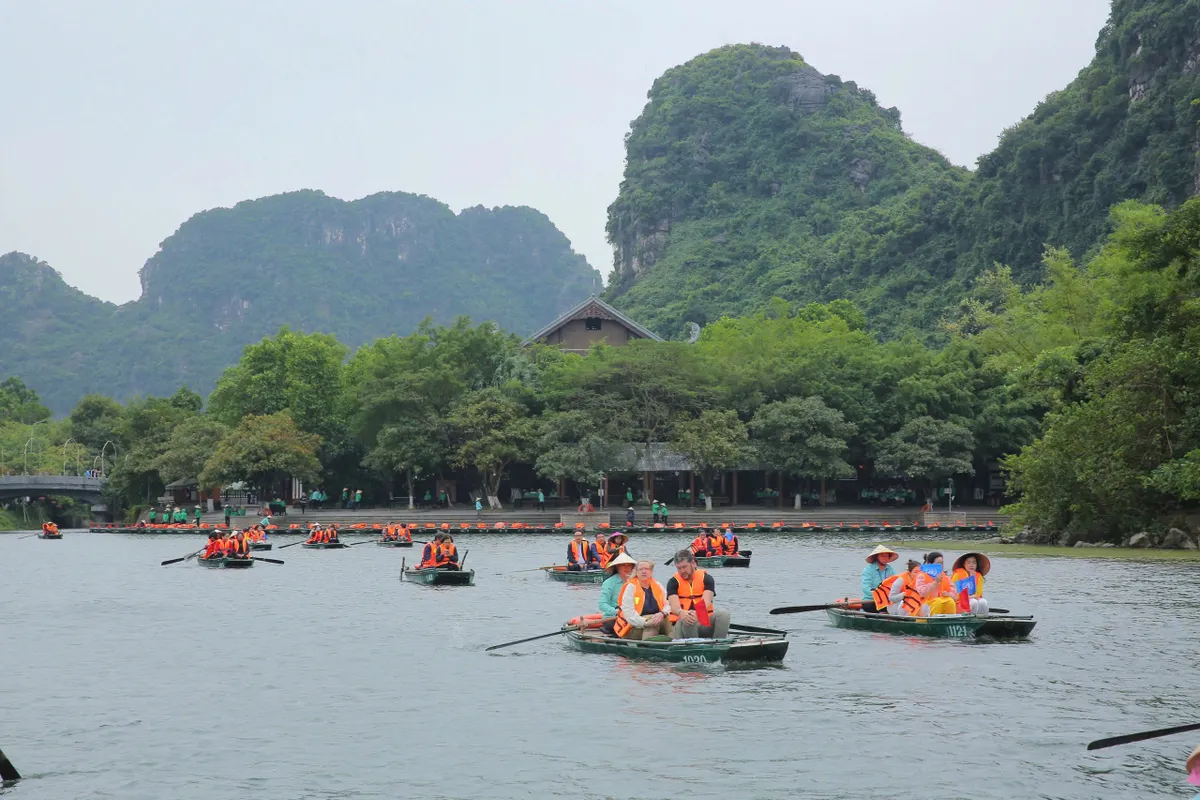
(993, 549)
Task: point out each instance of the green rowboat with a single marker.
(568, 576)
(394, 543)
(439, 577)
(323, 545)
(944, 626)
(226, 563)
(740, 560)
(50, 535)
(735, 649)
(260, 545)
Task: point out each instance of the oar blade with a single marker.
(1113, 741)
(174, 560)
(7, 771)
(269, 560)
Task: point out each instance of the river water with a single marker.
(329, 678)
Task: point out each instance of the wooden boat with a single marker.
(735, 649)
(394, 543)
(439, 577)
(740, 560)
(226, 563)
(323, 545)
(945, 626)
(44, 535)
(568, 576)
(260, 545)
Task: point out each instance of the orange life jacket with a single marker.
(715, 543)
(880, 593)
(240, 547)
(601, 553)
(447, 554)
(577, 553)
(429, 555)
(622, 625)
(912, 598)
(691, 591)
(213, 546)
(700, 545)
(611, 550)
(729, 547)
(405, 532)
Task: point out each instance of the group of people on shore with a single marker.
(172, 515)
(925, 588)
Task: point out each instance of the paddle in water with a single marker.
(1113, 741)
(733, 626)
(185, 558)
(293, 544)
(7, 771)
(867, 606)
(535, 638)
(268, 560)
(368, 541)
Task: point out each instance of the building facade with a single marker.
(591, 321)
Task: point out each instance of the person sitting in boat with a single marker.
(967, 579)
(690, 594)
(241, 548)
(642, 610)
(314, 535)
(904, 600)
(934, 585)
(213, 547)
(580, 554)
(729, 543)
(615, 545)
(390, 533)
(331, 533)
(447, 553)
(879, 568)
(700, 545)
(716, 542)
(49, 528)
(429, 554)
(600, 548)
(619, 569)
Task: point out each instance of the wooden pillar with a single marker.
(733, 498)
(692, 488)
(648, 486)
(722, 481)
(562, 491)
(822, 492)
(780, 474)
(604, 491)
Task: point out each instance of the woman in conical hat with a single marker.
(879, 568)
(619, 570)
(969, 569)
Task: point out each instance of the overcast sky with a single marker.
(122, 118)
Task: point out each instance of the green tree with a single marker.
(714, 440)
(575, 445)
(192, 443)
(927, 450)
(802, 436)
(97, 419)
(264, 450)
(19, 403)
(489, 431)
(411, 446)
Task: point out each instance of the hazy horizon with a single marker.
(130, 117)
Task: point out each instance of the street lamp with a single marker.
(64, 450)
(103, 471)
(25, 455)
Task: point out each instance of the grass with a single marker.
(961, 545)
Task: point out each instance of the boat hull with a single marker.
(50, 535)
(999, 626)
(260, 545)
(565, 575)
(709, 562)
(323, 545)
(440, 577)
(709, 651)
(226, 563)
(393, 543)
(943, 626)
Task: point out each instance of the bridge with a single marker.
(86, 489)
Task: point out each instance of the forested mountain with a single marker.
(358, 270)
(750, 174)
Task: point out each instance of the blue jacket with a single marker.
(610, 591)
(872, 576)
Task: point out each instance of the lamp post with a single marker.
(64, 450)
(103, 471)
(25, 455)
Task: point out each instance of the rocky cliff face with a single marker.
(230, 276)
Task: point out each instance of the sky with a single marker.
(124, 118)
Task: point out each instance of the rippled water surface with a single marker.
(329, 678)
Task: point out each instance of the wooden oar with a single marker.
(268, 560)
(534, 638)
(463, 560)
(368, 541)
(1100, 744)
(803, 609)
(293, 544)
(7, 771)
(185, 558)
(535, 569)
(402, 567)
(30, 536)
(733, 626)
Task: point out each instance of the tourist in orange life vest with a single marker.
(934, 585)
(580, 555)
(729, 543)
(904, 599)
(967, 580)
(690, 594)
(715, 543)
(700, 546)
(429, 554)
(213, 547)
(600, 548)
(642, 610)
(314, 535)
(331, 533)
(447, 553)
(241, 549)
(615, 545)
(404, 533)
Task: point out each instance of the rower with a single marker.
(700, 545)
(600, 549)
(213, 546)
(615, 545)
(690, 594)
(879, 568)
(580, 555)
(618, 571)
(314, 535)
(967, 579)
(429, 554)
(642, 610)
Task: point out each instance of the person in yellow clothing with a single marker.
(937, 592)
(967, 578)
